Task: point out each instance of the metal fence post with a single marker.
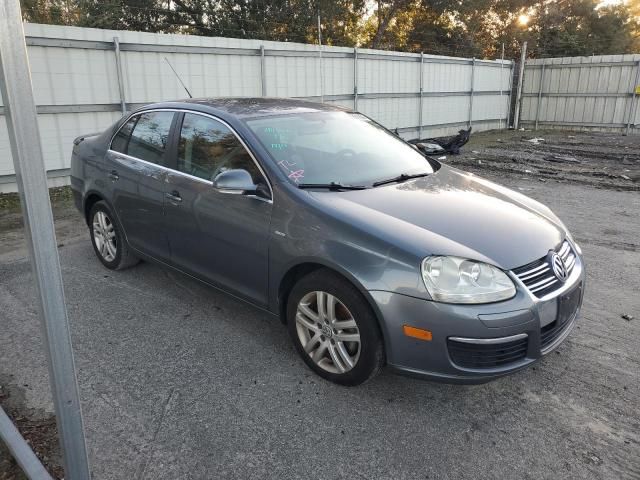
(539, 95)
(355, 78)
(420, 103)
(473, 70)
(501, 82)
(320, 58)
(511, 75)
(26, 149)
(263, 72)
(516, 115)
(633, 99)
(116, 47)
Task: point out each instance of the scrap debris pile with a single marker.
(442, 145)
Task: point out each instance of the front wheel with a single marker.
(108, 239)
(334, 329)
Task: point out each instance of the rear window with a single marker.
(121, 140)
(145, 136)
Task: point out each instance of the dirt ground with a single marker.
(584, 160)
(37, 427)
(600, 160)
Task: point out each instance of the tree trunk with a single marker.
(383, 22)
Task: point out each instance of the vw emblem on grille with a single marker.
(558, 267)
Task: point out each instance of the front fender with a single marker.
(304, 233)
(280, 275)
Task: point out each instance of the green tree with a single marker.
(466, 27)
(463, 28)
(57, 12)
(578, 27)
(138, 15)
(289, 20)
(282, 20)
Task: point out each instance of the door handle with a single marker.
(174, 197)
(113, 175)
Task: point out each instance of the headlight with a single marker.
(458, 280)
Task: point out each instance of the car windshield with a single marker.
(337, 148)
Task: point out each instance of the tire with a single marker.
(116, 254)
(329, 339)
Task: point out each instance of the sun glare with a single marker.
(523, 19)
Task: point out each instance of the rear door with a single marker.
(136, 173)
(219, 237)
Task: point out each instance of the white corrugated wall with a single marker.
(581, 92)
(75, 83)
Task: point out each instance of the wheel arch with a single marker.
(289, 279)
(302, 268)
(90, 199)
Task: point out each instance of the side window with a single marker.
(121, 140)
(150, 136)
(207, 147)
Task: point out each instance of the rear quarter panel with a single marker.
(87, 167)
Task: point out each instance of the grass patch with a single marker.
(59, 196)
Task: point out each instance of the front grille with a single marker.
(538, 276)
(479, 356)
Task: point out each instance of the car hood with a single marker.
(451, 213)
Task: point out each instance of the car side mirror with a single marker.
(236, 181)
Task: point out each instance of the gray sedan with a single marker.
(371, 253)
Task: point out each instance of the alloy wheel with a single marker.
(328, 332)
(104, 236)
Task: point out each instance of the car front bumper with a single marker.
(478, 343)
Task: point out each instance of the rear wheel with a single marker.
(334, 329)
(108, 239)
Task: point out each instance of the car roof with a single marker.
(244, 107)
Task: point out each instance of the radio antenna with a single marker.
(178, 77)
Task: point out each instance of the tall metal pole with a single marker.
(320, 57)
(473, 71)
(633, 99)
(539, 96)
(263, 72)
(355, 79)
(421, 96)
(116, 47)
(516, 115)
(26, 149)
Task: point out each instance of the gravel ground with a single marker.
(180, 381)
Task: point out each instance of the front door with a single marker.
(136, 172)
(219, 237)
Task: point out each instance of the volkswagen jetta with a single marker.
(371, 253)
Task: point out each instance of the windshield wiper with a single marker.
(332, 186)
(400, 178)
